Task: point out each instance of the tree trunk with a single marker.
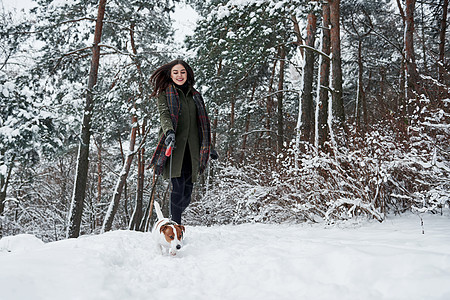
(423, 40)
(77, 205)
(338, 102)
(324, 75)
(231, 130)
(214, 129)
(308, 78)
(136, 219)
(402, 76)
(297, 33)
(247, 127)
(216, 113)
(364, 101)
(441, 68)
(359, 94)
(145, 224)
(380, 97)
(98, 143)
(411, 68)
(280, 99)
(2, 194)
(244, 139)
(360, 29)
(138, 210)
(267, 142)
(232, 112)
(402, 103)
(4, 183)
(114, 204)
(3, 187)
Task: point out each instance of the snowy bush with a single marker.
(372, 176)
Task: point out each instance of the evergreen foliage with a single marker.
(365, 172)
(135, 41)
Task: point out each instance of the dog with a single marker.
(167, 233)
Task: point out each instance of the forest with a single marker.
(321, 111)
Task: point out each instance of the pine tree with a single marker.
(134, 33)
(336, 62)
(307, 128)
(323, 130)
(239, 58)
(76, 208)
(26, 126)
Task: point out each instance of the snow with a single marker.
(369, 260)
(185, 18)
(19, 242)
(10, 5)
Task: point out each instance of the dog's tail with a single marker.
(158, 211)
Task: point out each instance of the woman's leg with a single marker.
(182, 188)
(188, 187)
(176, 198)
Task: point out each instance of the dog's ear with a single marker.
(182, 228)
(162, 229)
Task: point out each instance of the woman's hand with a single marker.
(170, 137)
(214, 154)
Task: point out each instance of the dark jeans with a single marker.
(182, 188)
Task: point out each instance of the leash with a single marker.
(150, 205)
(169, 154)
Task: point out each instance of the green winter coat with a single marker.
(187, 133)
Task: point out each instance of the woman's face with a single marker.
(178, 74)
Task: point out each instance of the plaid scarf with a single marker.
(204, 130)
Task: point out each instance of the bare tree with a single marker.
(77, 205)
(114, 204)
(98, 143)
(359, 28)
(138, 213)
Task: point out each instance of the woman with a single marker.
(184, 122)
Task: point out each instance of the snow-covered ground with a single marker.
(368, 260)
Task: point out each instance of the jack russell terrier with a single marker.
(167, 233)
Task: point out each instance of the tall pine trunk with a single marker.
(308, 77)
(265, 139)
(324, 75)
(280, 99)
(411, 68)
(443, 28)
(360, 97)
(216, 112)
(77, 205)
(338, 102)
(247, 127)
(114, 204)
(231, 129)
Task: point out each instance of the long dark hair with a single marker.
(160, 79)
